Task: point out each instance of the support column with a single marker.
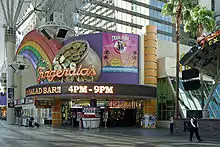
(10, 54)
(56, 113)
(150, 65)
(150, 55)
(47, 113)
(205, 108)
(39, 115)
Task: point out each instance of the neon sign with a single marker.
(90, 89)
(52, 74)
(204, 39)
(44, 90)
(94, 89)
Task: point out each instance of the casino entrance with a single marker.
(91, 105)
(121, 112)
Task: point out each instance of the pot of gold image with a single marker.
(78, 55)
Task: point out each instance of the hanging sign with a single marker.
(43, 103)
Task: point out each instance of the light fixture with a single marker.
(46, 34)
(62, 33)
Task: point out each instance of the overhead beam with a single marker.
(8, 12)
(18, 10)
(12, 12)
(4, 12)
(89, 27)
(24, 19)
(135, 13)
(113, 20)
(144, 5)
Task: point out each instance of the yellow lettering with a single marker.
(45, 90)
(54, 89)
(109, 89)
(75, 89)
(40, 90)
(83, 89)
(102, 89)
(49, 90)
(59, 89)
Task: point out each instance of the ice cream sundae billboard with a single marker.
(120, 53)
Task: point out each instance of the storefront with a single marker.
(123, 101)
(3, 107)
(26, 108)
(86, 76)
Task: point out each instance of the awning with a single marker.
(86, 89)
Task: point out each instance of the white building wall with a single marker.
(168, 49)
(2, 46)
(166, 67)
(28, 77)
(167, 58)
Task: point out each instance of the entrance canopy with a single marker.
(86, 89)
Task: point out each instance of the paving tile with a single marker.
(14, 136)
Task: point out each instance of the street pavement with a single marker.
(17, 136)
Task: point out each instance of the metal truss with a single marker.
(89, 16)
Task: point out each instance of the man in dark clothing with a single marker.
(171, 124)
(194, 129)
(31, 122)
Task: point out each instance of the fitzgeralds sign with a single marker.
(51, 75)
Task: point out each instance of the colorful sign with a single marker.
(84, 50)
(120, 52)
(50, 75)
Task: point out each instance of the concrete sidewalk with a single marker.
(141, 132)
(123, 137)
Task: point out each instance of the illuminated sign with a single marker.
(94, 89)
(43, 103)
(91, 89)
(44, 90)
(204, 39)
(52, 74)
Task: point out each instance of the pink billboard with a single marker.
(120, 52)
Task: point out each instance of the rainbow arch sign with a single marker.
(36, 47)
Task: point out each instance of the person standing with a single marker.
(105, 117)
(171, 124)
(194, 129)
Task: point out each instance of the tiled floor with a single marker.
(15, 136)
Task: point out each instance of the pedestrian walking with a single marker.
(171, 124)
(194, 128)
